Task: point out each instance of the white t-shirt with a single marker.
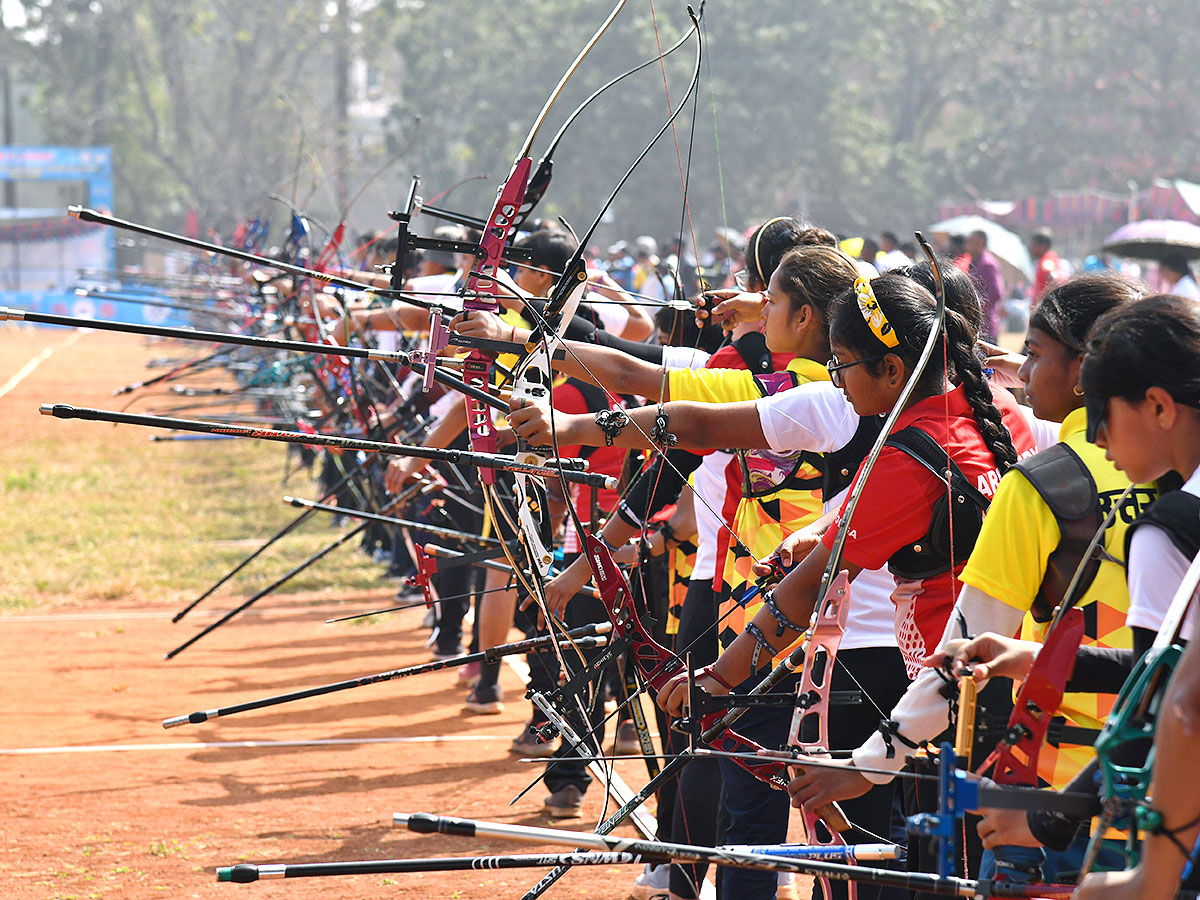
(1186, 287)
(1045, 432)
(1156, 567)
(708, 483)
(814, 416)
(613, 316)
(817, 416)
(437, 289)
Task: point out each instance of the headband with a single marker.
(763, 276)
(873, 315)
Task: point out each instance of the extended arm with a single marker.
(701, 426)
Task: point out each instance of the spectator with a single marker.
(870, 251)
(1047, 265)
(1177, 277)
(892, 255)
(620, 265)
(985, 269)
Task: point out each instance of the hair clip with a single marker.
(873, 315)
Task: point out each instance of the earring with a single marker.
(1078, 391)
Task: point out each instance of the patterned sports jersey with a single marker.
(1009, 563)
(760, 522)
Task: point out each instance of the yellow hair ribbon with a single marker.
(873, 315)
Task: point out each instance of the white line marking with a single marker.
(28, 368)
(164, 616)
(244, 745)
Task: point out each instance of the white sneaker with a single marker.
(653, 884)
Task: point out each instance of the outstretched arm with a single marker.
(701, 426)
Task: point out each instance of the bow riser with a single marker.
(1016, 757)
(824, 640)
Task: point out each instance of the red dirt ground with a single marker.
(156, 819)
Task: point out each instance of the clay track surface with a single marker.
(98, 801)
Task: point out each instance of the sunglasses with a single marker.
(1097, 413)
(834, 367)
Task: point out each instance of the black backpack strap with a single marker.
(752, 348)
(1176, 513)
(1066, 485)
(958, 514)
(932, 455)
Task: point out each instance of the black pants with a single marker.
(866, 684)
(698, 790)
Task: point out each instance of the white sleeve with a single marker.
(814, 416)
(613, 316)
(922, 713)
(1045, 432)
(1155, 569)
(683, 358)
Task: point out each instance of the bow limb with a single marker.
(1016, 756)
(535, 376)
(540, 180)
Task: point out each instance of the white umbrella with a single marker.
(1005, 245)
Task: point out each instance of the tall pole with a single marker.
(10, 185)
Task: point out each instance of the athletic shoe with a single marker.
(653, 884)
(440, 655)
(468, 675)
(527, 744)
(565, 803)
(627, 742)
(485, 700)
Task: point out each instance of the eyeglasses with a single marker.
(741, 280)
(834, 367)
(1097, 414)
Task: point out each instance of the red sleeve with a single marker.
(894, 510)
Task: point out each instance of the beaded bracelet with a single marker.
(784, 622)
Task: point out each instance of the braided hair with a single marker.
(911, 310)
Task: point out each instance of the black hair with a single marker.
(1154, 342)
(815, 276)
(771, 240)
(1068, 310)
(911, 311)
(962, 295)
(549, 249)
(1176, 263)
